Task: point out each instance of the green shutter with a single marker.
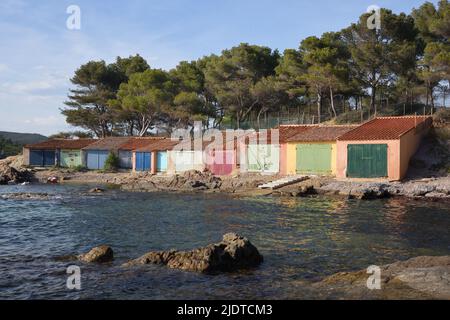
(367, 160)
(313, 158)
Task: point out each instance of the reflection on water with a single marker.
(302, 239)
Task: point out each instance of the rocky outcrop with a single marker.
(356, 190)
(11, 172)
(429, 188)
(193, 180)
(232, 253)
(99, 254)
(417, 278)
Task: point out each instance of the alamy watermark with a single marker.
(374, 281)
(374, 20)
(251, 150)
(74, 279)
(73, 22)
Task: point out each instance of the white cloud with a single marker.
(44, 121)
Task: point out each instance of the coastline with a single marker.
(437, 188)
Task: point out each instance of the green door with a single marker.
(367, 160)
(70, 158)
(314, 158)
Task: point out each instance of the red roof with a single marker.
(387, 128)
(108, 143)
(72, 144)
(138, 142)
(229, 138)
(321, 133)
(157, 145)
(284, 133)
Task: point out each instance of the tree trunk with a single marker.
(332, 102)
(373, 102)
(319, 105)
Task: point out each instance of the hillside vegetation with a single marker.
(11, 143)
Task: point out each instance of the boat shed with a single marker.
(266, 150)
(313, 151)
(381, 148)
(56, 152)
(97, 153)
(153, 155)
(126, 149)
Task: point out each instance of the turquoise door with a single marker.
(161, 161)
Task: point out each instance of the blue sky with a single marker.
(38, 54)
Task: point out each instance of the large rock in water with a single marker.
(424, 277)
(232, 253)
(98, 254)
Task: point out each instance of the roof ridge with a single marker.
(402, 117)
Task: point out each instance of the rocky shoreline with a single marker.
(435, 188)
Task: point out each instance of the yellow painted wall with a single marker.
(291, 156)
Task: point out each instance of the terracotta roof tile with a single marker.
(138, 142)
(228, 138)
(284, 133)
(386, 128)
(321, 133)
(62, 144)
(158, 145)
(109, 143)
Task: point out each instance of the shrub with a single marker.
(442, 116)
(112, 162)
(78, 168)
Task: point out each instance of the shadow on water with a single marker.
(302, 239)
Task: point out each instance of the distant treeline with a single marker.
(343, 76)
(8, 148)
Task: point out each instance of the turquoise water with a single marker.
(302, 240)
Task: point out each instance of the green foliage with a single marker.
(442, 116)
(71, 135)
(22, 138)
(232, 77)
(146, 94)
(395, 70)
(8, 148)
(112, 163)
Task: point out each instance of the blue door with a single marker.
(36, 158)
(42, 158)
(49, 158)
(96, 159)
(161, 161)
(143, 161)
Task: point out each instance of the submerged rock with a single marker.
(232, 253)
(25, 196)
(98, 254)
